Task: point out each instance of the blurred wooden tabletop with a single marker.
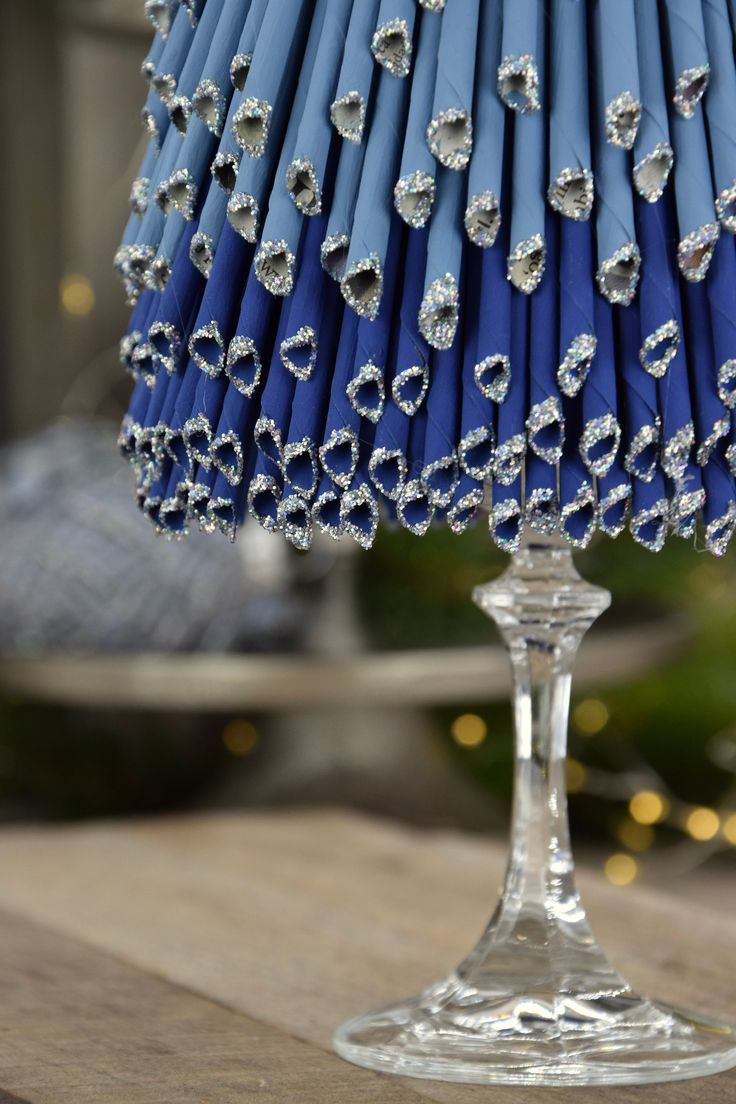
(207, 959)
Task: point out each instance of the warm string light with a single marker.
(469, 730)
(240, 738)
(76, 295)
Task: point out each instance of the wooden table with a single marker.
(206, 960)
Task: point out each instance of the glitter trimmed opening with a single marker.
(301, 185)
(363, 286)
(299, 470)
(243, 217)
(335, 257)
(451, 139)
(652, 173)
(409, 389)
(618, 279)
(251, 131)
(348, 116)
(518, 89)
(225, 172)
(244, 370)
(388, 473)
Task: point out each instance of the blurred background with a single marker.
(140, 676)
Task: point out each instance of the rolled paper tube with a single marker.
(175, 311)
(415, 189)
(541, 500)
(215, 323)
(152, 498)
(349, 109)
(165, 78)
(335, 247)
(578, 343)
(152, 58)
(527, 256)
(181, 192)
(415, 509)
(614, 500)
(340, 449)
(719, 109)
(410, 378)
(619, 259)
(710, 415)
(251, 346)
(485, 182)
(721, 288)
(199, 429)
(140, 257)
(256, 176)
(359, 514)
(450, 131)
(272, 72)
(650, 512)
(305, 174)
(155, 118)
(140, 318)
(326, 508)
(362, 284)
(210, 224)
(173, 510)
(520, 83)
(440, 470)
(570, 190)
(618, 103)
(601, 437)
(578, 502)
(140, 192)
(224, 507)
(199, 491)
(265, 490)
(506, 517)
(213, 93)
(309, 408)
(545, 424)
(688, 498)
(697, 220)
(367, 387)
(241, 61)
(477, 447)
(174, 444)
(653, 156)
(440, 309)
(276, 399)
(295, 520)
(229, 154)
(688, 54)
(720, 509)
(493, 364)
(512, 443)
(232, 443)
(466, 504)
(388, 464)
(642, 424)
(180, 105)
(392, 44)
(160, 14)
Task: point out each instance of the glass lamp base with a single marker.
(537, 1002)
(456, 1033)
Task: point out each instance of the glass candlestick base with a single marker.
(537, 1002)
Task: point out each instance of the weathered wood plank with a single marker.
(300, 920)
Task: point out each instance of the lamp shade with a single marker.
(436, 262)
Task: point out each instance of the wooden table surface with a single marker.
(207, 959)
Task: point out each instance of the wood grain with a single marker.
(297, 921)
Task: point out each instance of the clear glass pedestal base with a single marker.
(537, 1002)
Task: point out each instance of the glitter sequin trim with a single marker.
(518, 83)
(572, 193)
(334, 255)
(348, 115)
(618, 275)
(224, 170)
(299, 353)
(464, 512)
(207, 349)
(726, 207)
(243, 365)
(339, 456)
(359, 515)
(660, 348)
(649, 527)
(450, 138)
(695, 251)
(326, 513)
(597, 432)
(414, 197)
(201, 253)
(526, 264)
(493, 377)
(210, 105)
(510, 459)
(409, 388)
(613, 510)
(366, 392)
(727, 383)
(414, 508)
(197, 433)
(575, 367)
(439, 312)
(623, 116)
(542, 511)
(362, 286)
(251, 126)
(545, 427)
(582, 508)
(264, 495)
(165, 337)
(267, 437)
(483, 219)
(392, 47)
(227, 456)
(295, 521)
(476, 452)
(239, 70)
(642, 455)
(388, 469)
(677, 450)
(303, 186)
(504, 524)
(441, 479)
(274, 267)
(690, 89)
(243, 214)
(300, 458)
(721, 429)
(718, 533)
(652, 173)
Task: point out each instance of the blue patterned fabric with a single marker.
(435, 261)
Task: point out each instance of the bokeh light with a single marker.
(469, 730)
(648, 807)
(729, 829)
(240, 738)
(621, 870)
(591, 716)
(76, 294)
(702, 823)
(634, 836)
(576, 775)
